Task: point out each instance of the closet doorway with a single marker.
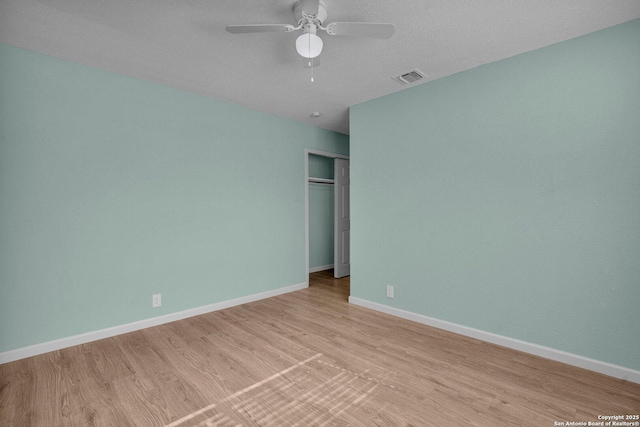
(327, 222)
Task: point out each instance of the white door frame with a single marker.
(308, 151)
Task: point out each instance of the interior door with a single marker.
(342, 226)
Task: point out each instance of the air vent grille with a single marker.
(410, 77)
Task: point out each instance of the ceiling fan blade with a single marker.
(361, 29)
(310, 7)
(260, 28)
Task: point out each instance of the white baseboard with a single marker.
(34, 350)
(538, 350)
(320, 268)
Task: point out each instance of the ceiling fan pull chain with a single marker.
(311, 60)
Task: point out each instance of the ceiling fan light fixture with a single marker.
(310, 16)
(309, 45)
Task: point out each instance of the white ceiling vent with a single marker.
(410, 77)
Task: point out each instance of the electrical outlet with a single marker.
(156, 300)
(389, 291)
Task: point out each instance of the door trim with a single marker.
(308, 151)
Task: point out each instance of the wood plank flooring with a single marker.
(306, 358)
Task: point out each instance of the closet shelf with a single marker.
(321, 180)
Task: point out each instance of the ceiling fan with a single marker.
(310, 16)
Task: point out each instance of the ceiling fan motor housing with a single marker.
(320, 17)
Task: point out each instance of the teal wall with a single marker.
(113, 189)
(320, 212)
(507, 197)
(321, 166)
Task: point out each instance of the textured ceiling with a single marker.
(183, 44)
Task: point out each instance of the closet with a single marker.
(321, 212)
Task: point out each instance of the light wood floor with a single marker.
(307, 358)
